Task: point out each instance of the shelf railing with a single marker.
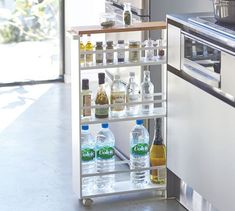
(142, 62)
(157, 112)
(121, 49)
(123, 171)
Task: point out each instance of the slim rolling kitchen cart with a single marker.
(120, 187)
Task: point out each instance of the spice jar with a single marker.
(134, 55)
(127, 14)
(109, 55)
(160, 51)
(149, 53)
(99, 55)
(121, 51)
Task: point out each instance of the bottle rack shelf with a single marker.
(157, 113)
(141, 62)
(125, 186)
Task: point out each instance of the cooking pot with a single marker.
(224, 11)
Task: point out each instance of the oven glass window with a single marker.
(202, 54)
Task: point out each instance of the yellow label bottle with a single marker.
(158, 157)
(89, 47)
(82, 56)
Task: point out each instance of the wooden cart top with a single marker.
(145, 26)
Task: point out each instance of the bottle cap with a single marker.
(109, 43)
(132, 74)
(85, 127)
(101, 77)
(99, 43)
(120, 41)
(85, 84)
(139, 121)
(105, 125)
(117, 77)
(146, 72)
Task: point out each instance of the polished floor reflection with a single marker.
(35, 158)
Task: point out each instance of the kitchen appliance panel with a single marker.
(198, 142)
(228, 73)
(173, 43)
(224, 10)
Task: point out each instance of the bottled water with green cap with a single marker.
(139, 154)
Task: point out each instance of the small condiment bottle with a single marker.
(101, 98)
(149, 53)
(86, 97)
(82, 49)
(121, 51)
(109, 55)
(160, 51)
(127, 14)
(134, 55)
(99, 55)
(89, 49)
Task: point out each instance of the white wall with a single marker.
(80, 13)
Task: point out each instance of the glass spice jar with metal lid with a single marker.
(134, 54)
(99, 55)
(121, 51)
(160, 51)
(109, 55)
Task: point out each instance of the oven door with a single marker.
(200, 59)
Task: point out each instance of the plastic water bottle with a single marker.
(105, 158)
(88, 159)
(139, 154)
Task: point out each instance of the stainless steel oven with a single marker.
(201, 59)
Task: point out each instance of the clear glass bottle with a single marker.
(158, 156)
(118, 95)
(160, 51)
(149, 53)
(134, 55)
(147, 91)
(121, 51)
(132, 95)
(86, 97)
(89, 47)
(101, 98)
(99, 55)
(109, 55)
(127, 14)
(82, 49)
(139, 154)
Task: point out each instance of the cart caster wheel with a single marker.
(87, 202)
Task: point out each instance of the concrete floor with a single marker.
(35, 163)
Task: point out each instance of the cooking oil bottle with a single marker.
(158, 156)
(82, 49)
(89, 47)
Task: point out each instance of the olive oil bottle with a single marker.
(82, 49)
(158, 156)
(101, 98)
(89, 47)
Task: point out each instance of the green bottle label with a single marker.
(102, 111)
(88, 154)
(105, 153)
(140, 149)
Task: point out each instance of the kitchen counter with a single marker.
(183, 20)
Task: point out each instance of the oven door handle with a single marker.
(209, 44)
(209, 78)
